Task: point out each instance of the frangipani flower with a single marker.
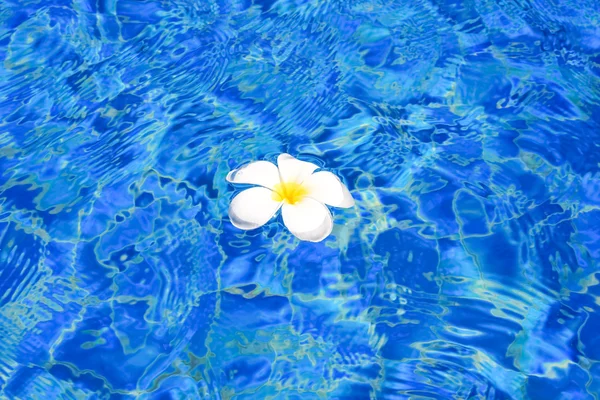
(301, 193)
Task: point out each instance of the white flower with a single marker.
(294, 187)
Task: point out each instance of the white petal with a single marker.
(308, 220)
(294, 170)
(327, 188)
(253, 208)
(261, 173)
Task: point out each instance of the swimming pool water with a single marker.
(467, 131)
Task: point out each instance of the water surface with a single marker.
(467, 131)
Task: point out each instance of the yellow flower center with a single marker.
(290, 192)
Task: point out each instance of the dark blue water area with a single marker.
(468, 133)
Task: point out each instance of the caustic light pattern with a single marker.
(467, 133)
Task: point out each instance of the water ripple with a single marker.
(466, 131)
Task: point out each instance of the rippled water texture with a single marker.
(467, 131)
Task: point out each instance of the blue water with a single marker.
(467, 131)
